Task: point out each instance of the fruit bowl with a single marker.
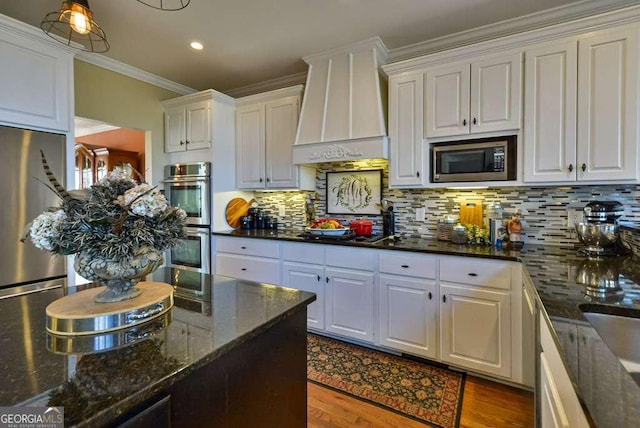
(328, 232)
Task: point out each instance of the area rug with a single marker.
(416, 389)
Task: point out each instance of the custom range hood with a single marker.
(344, 107)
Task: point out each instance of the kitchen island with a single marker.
(608, 392)
(232, 354)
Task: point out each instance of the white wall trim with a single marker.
(133, 72)
(268, 85)
(521, 24)
(291, 91)
(501, 45)
(32, 33)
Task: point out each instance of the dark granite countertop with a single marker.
(608, 392)
(97, 387)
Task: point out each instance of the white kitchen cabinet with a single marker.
(187, 126)
(550, 105)
(475, 328)
(608, 106)
(408, 302)
(408, 163)
(350, 298)
(476, 315)
(477, 97)
(36, 80)
(249, 259)
(580, 122)
(559, 404)
(265, 132)
(303, 269)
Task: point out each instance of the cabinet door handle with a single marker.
(430, 296)
(261, 180)
(418, 174)
(464, 122)
(472, 274)
(475, 121)
(327, 279)
(243, 268)
(181, 143)
(570, 167)
(318, 278)
(243, 247)
(584, 167)
(268, 179)
(405, 266)
(186, 142)
(444, 298)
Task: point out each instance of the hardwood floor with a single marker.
(485, 404)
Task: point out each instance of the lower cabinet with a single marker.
(463, 311)
(248, 259)
(409, 315)
(475, 329)
(559, 405)
(349, 303)
(307, 277)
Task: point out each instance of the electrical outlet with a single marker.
(420, 213)
(573, 217)
(281, 211)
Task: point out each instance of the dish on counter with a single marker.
(327, 232)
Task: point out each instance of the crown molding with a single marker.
(508, 27)
(21, 29)
(290, 91)
(268, 85)
(133, 72)
(518, 41)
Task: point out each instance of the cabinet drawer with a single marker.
(303, 253)
(407, 264)
(350, 258)
(481, 272)
(250, 268)
(249, 247)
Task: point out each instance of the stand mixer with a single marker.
(600, 232)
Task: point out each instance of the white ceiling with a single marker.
(250, 41)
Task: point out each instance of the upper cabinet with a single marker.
(265, 133)
(608, 106)
(550, 104)
(581, 107)
(36, 79)
(408, 161)
(477, 97)
(187, 126)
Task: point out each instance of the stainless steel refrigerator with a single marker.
(23, 196)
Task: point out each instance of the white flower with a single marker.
(151, 204)
(44, 229)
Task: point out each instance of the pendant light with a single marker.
(170, 5)
(74, 23)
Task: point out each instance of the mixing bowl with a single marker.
(597, 234)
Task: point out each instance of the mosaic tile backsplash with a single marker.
(544, 209)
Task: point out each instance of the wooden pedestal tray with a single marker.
(78, 314)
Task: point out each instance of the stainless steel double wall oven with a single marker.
(188, 186)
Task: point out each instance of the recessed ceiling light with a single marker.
(197, 46)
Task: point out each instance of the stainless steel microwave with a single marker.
(488, 159)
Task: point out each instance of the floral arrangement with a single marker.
(112, 219)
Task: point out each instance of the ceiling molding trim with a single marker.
(32, 33)
(268, 85)
(291, 91)
(94, 130)
(133, 72)
(522, 24)
(574, 28)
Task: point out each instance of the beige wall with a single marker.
(116, 99)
